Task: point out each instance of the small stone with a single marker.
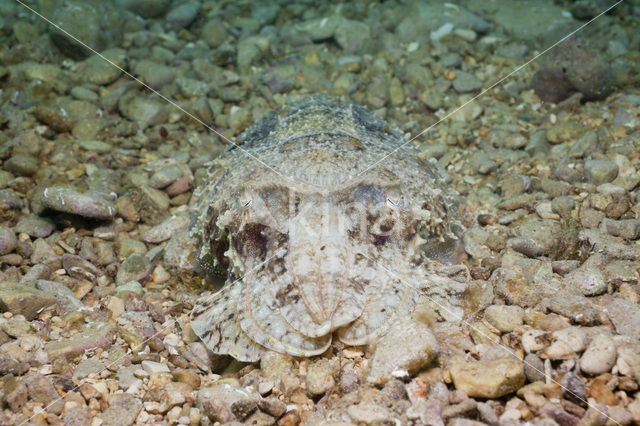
(587, 279)
(21, 165)
(88, 367)
(407, 347)
(8, 240)
(165, 230)
(189, 377)
(152, 367)
(567, 342)
(222, 402)
(625, 317)
(627, 228)
(600, 171)
(488, 379)
(466, 82)
(319, 378)
(214, 33)
(564, 132)
(578, 308)
(351, 35)
(68, 200)
(600, 355)
(121, 413)
(154, 74)
(533, 368)
(182, 15)
(24, 300)
(504, 318)
(135, 268)
(95, 335)
(65, 299)
(35, 226)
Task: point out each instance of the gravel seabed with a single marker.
(97, 174)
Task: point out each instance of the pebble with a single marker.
(152, 367)
(625, 317)
(600, 355)
(406, 348)
(123, 412)
(21, 165)
(24, 300)
(88, 367)
(135, 268)
(488, 379)
(95, 335)
(466, 82)
(587, 279)
(169, 227)
(564, 132)
(319, 379)
(35, 226)
(8, 240)
(68, 200)
(600, 171)
(504, 318)
(628, 228)
(567, 342)
(222, 402)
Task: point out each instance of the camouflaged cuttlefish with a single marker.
(316, 240)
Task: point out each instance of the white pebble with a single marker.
(600, 355)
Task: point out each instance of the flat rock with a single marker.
(625, 317)
(95, 335)
(600, 355)
(121, 413)
(68, 200)
(488, 379)
(222, 402)
(406, 348)
(28, 301)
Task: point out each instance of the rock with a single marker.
(182, 15)
(573, 67)
(466, 82)
(66, 301)
(24, 300)
(99, 71)
(351, 35)
(533, 368)
(94, 335)
(600, 171)
(8, 240)
(406, 348)
(21, 165)
(143, 110)
(625, 317)
(367, 413)
(35, 226)
(189, 377)
(135, 268)
(573, 387)
(145, 8)
(128, 289)
(165, 230)
(504, 318)
(564, 131)
(16, 394)
(68, 200)
(567, 342)
(87, 367)
(152, 367)
(166, 176)
(123, 412)
(578, 308)
(153, 73)
(488, 379)
(42, 391)
(600, 355)
(181, 250)
(627, 228)
(137, 329)
(319, 377)
(223, 402)
(587, 279)
(544, 234)
(97, 24)
(214, 33)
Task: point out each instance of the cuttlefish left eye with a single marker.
(244, 199)
(395, 198)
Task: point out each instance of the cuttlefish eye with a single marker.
(243, 199)
(395, 198)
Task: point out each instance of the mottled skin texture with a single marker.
(317, 244)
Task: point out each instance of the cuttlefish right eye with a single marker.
(244, 199)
